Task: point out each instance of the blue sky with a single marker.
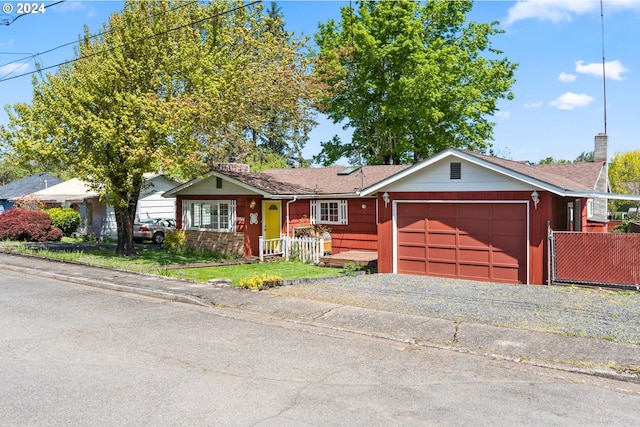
(558, 106)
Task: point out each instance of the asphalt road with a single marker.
(74, 355)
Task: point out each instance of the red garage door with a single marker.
(475, 241)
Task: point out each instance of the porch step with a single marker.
(363, 258)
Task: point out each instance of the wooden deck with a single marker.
(366, 259)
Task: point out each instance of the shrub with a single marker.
(27, 225)
(256, 282)
(66, 219)
(175, 240)
(29, 202)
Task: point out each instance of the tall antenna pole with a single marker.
(604, 77)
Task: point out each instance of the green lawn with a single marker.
(285, 270)
(156, 259)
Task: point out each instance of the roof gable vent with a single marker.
(455, 170)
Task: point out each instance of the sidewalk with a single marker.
(585, 355)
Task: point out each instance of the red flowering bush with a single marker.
(27, 225)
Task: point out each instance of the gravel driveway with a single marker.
(611, 315)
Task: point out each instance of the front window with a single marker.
(214, 215)
(329, 212)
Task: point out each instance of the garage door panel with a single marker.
(508, 275)
(474, 256)
(414, 266)
(412, 238)
(505, 210)
(438, 210)
(475, 225)
(506, 259)
(410, 252)
(412, 223)
(474, 210)
(441, 224)
(474, 272)
(439, 268)
(442, 239)
(478, 241)
(442, 254)
(509, 227)
(474, 240)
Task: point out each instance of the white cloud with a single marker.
(614, 69)
(549, 10)
(536, 104)
(503, 114)
(13, 68)
(567, 78)
(570, 101)
(8, 43)
(75, 6)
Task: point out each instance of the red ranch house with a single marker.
(458, 214)
(230, 208)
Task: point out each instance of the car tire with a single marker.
(158, 237)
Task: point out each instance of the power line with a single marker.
(7, 22)
(134, 41)
(101, 33)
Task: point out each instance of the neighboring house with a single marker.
(25, 186)
(97, 218)
(76, 194)
(458, 214)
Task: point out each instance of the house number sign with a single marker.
(253, 218)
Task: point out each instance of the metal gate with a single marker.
(599, 259)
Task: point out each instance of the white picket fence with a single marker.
(305, 249)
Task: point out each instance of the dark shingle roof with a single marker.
(313, 181)
(569, 176)
(28, 185)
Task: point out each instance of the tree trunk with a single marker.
(124, 221)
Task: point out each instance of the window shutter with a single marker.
(232, 215)
(186, 215)
(343, 212)
(314, 214)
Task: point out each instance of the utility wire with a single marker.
(135, 41)
(101, 33)
(7, 22)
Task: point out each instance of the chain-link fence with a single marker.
(610, 259)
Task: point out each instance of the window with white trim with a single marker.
(212, 215)
(589, 208)
(329, 212)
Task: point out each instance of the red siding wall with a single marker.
(251, 232)
(358, 235)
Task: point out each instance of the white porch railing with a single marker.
(305, 249)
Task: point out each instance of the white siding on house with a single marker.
(150, 205)
(473, 178)
(208, 186)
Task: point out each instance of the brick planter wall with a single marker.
(226, 243)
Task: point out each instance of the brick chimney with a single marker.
(600, 148)
(602, 184)
(231, 167)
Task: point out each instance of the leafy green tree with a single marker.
(624, 175)
(410, 78)
(585, 156)
(164, 84)
(256, 89)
